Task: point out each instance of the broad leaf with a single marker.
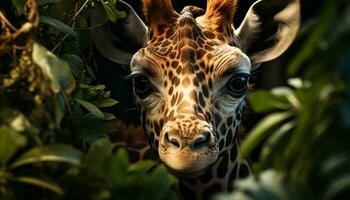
(98, 151)
(142, 165)
(259, 132)
(160, 173)
(263, 101)
(55, 70)
(59, 25)
(271, 147)
(97, 157)
(91, 108)
(50, 153)
(109, 116)
(90, 136)
(289, 94)
(60, 109)
(76, 64)
(90, 122)
(298, 83)
(106, 103)
(164, 182)
(269, 185)
(10, 142)
(112, 13)
(122, 157)
(40, 183)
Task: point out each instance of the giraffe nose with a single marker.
(201, 141)
(197, 143)
(172, 139)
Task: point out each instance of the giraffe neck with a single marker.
(219, 178)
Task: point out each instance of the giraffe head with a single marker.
(191, 74)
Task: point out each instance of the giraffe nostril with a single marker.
(202, 141)
(172, 140)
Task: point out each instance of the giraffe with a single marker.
(190, 75)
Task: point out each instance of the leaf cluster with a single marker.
(54, 113)
(305, 134)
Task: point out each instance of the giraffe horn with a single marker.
(220, 11)
(159, 11)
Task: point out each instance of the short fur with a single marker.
(221, 11)
(159, 11)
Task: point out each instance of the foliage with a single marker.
(119, 179)
(52, 112)
(305, 136)
(53, 116)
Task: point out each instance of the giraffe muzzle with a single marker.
(199, 143)
(188, 155)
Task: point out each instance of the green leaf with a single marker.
(60, 109)
(50, 153)
(269, 185)
(76, 64)
(262, 101)
(161, 172)
(91, 108)
(40, 183)
(90, 122)
(98, 152)
(112, 13)
(55, 70)
(142, 165)
(10, 142)
(298, 83)
(259, 132)
(123, 157)
(59, 25)
(89, 136)
(164, 181)
(109, 116)
(106, 103)
(270, 149)
(289, 94)
(98, 148)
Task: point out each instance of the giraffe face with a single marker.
(190, 82)
(190, 78)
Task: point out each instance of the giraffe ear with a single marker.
(118, 41)
(220, 12)
(268, 29)
(159, 13)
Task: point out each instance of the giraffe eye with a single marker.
(142, 87)
(237, 86)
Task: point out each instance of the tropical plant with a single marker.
(53, 110)
(306, 134)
